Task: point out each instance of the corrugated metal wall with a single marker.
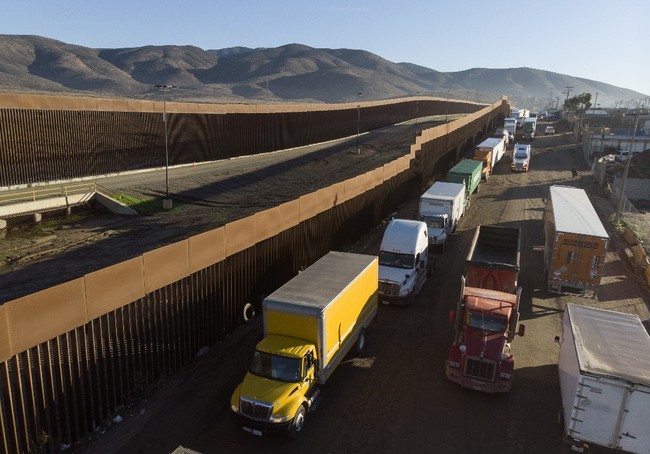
(40, 145)
(119, 330)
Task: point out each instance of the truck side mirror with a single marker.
(522, 330)
(452, 316)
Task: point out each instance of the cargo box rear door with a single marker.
(635, 432)
(597, 411)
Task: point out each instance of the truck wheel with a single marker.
(298, 423)
(361, 342)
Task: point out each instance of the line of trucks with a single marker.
(521, 119)
(315, 319)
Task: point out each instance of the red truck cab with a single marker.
(480, 356)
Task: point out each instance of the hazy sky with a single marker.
(602, 40)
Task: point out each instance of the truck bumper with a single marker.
(500, 386)
(257, 427)
(572, 288)
(396, 300)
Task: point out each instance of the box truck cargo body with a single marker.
(441, 207)
(604, 369)
(310, 324)
(489, 152)
(466, 171)
(575, 242)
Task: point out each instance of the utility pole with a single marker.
(595, 103)
(619, 206)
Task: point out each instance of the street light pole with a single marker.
(358, 122)
(167, 203)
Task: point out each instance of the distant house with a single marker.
(615, 141)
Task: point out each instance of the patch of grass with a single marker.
(142, 206)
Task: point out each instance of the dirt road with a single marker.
(395, 398)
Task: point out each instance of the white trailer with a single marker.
(604, 368)
(441, 207)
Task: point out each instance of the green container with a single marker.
(468, 171)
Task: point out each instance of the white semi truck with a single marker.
(403, 261)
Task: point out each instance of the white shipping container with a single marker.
(604, 368)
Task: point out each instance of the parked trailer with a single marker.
(493, 258)
(575, 242)
(467, 171)
(310, 324)
(604, 369)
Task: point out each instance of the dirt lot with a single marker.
(395, 398)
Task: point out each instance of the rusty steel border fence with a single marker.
(55, 393)
(61, 390)
(42, 145)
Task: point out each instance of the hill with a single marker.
(293, 72)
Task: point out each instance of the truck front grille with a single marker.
(255, 410)
(483, 369)
(388, 288)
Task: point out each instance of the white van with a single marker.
(403, 261)
(521, 158)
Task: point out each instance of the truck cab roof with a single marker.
(284, 346)
(493, 301)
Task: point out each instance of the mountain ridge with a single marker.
(290, 73)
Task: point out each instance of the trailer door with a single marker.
(634, 433)
(597, 411)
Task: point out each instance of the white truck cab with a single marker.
(521, 158)
(403, 261)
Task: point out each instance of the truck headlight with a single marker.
(278, 419)
(505, 375)
(404, 292)
(234, 408)
(454, 364)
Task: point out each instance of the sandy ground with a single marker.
(395, 397)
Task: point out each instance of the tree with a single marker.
(578, 102)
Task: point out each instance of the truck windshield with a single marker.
(521, 155)
(396, 260)
(434, 222)
(276, 367)
(487, 322)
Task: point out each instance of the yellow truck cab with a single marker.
(310, 324)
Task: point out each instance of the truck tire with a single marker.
(298, 423)
(361, 342)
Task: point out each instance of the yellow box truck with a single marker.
(310, 324)
(575, 242)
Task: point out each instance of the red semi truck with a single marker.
(487, 313)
